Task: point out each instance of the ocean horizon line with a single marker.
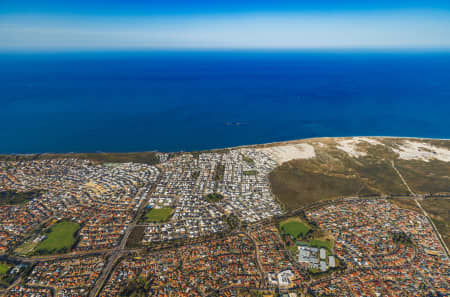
(337, 50)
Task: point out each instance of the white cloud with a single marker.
(402, 29)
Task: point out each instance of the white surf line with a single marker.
(403, 180)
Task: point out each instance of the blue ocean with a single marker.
(171, 101)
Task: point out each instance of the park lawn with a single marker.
(60, 238)
(325, 243)
(158, 214)
(4, 269)
(295, 228)
(214, 197)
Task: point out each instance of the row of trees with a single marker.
(12, 197)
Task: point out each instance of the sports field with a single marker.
(4, 268)
(296, 229)
(158, 214)
(326, 243)
(61, 238)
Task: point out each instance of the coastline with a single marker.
(267, 144)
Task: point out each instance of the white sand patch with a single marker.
(372, 141)
(285, 153)
(413, 150)
(350, 146)
(320, 144)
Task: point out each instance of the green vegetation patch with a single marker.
(294, 228)
(136, 236)
(250, 172)
(196, 154)
(4, 268)
(232, 221)
(157, 215)
(5, 277)
(15, 198)
(140, 157)
(60, 238)
(214, 197)
(248, 160)
(218, 174)
(318, 243)
(402, 238)
(26, 248)
(195, 174)
(139, 287)
(293, 249)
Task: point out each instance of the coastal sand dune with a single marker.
(357, 147)
(350, 146)
(414, 150)
(406, 149)
(285, 153)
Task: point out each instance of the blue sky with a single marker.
(154, 24)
